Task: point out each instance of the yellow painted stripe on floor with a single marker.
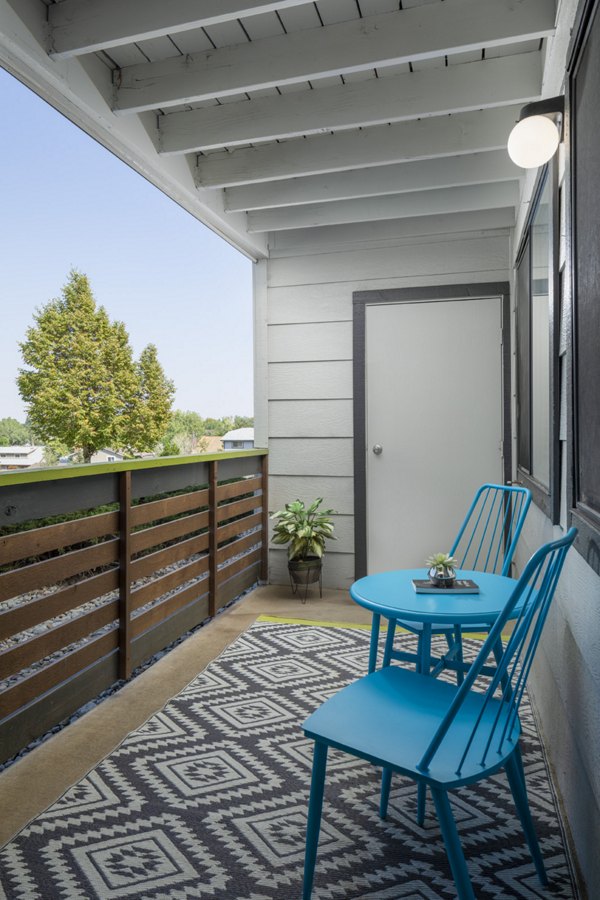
(290, 621)
(282, 620)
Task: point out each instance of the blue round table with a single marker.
(391, 594)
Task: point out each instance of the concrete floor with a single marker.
(37, 780)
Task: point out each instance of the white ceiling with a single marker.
(267, 115)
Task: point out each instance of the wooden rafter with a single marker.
(377, 41)
(379, 181)
(371, 209)
(424, 139)
(83, 26)
(477, 85)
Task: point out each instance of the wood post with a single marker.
(213, 539)
(264, 558)
(125, 574)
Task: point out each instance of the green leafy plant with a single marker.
(305, 529)
(443, 563)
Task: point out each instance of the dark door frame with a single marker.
(360, 301)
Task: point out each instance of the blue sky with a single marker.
(66, 202)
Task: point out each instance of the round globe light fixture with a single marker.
(533, 142)
(535, 138)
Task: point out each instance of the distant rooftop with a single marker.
(19, 450)
(20, 456)
(239, 434)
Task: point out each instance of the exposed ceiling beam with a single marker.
(372, 209)
(84, 26)
(423, 175)
(423, 139)
(388, 233)
(476, 85)
(413, 34)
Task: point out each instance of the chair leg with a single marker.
(516, 780)
(456, 856)
(389, 642)
(459, 652)
(421, 802)
(386, 783)
(519, 762)
(505, 680)
(424, 650)
(374, 642)
(424, 667)
(315, 807)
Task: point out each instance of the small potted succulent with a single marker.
(305, 529)
(442, 569)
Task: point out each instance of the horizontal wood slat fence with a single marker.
(84, 602)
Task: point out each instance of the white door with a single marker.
(434, 417)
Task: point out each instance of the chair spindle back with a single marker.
(497, 716)
(488, 536)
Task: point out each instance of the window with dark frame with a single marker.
(584, 71)
(536, 348)
(523, 360)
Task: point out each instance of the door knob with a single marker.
(377, 449)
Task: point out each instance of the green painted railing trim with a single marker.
(55, 473)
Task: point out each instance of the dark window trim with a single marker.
(523, 360)
(588, 540)
(360, 301)
(547, 498)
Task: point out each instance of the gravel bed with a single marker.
(97, 603)
(118, 684)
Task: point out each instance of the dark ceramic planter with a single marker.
(305, 572)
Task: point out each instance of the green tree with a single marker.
(185, 429)
(169, 448)
(53, 452)
(82, 386)
(243, 422)
(218, 426)
(13, 433)
(188, 430)
(152, 408)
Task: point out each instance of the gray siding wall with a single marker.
(565, 687)
(306, 361)
(565, 680)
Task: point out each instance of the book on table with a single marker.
(460, 586)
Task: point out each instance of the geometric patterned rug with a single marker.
(208, 799)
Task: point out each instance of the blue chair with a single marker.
(486, 542)
(439, 734)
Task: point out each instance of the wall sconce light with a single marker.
(536, 136)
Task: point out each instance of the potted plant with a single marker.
(305, 529)
(442, 569)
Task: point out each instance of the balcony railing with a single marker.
(102, 566)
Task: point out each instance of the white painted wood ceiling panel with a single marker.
(267, 25)
(365, 75)
(281, 132)
(373, 7)
(159, 48)
(333, 11)
(227, 34)
(127, 55)
(512, 49)
(299, 18)
(193, 41)
(296, 87)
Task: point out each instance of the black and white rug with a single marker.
(208, 799)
